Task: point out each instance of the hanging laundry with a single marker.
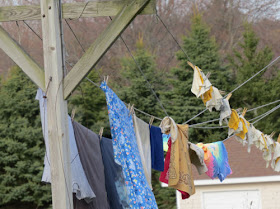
(275, 164)
(200, 84)
(165, 138)
(197, 158)
(114, 179)
(261, 142)
(90, 153)
(80, 182)
(235, 125)
(225, 112)
(180, 170)
(164, 176)
(207, 96)
(210, 161)
(267, 153)
(126, 152)
(218, 165)
(157, 154)
(142, 132)
(168, 126)
(252, 136)
(215, 101)
(242, 135)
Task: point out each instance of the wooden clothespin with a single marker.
(222, 92)
(244, 111)
(151, 121)
(73, 113)
(228, 96)
(101, 132)
(131, 110)
(190, 64)
(208, 75)
(106, 78)
(278, 140)
(272, 134)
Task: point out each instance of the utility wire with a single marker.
(139, 68)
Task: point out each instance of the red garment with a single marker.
(164, 176)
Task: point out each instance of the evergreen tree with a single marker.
(21, 145)
(245, 62)
(90, 104)
(135, 89)
(182, 103)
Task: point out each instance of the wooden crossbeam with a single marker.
(101, 45)
(71, 10)
(21, 58)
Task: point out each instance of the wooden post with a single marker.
(57, 107)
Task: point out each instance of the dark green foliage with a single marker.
(90, 104)
(182, 103)
(21, 145)
(245, 62)
(134, 88)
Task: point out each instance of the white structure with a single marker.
(251, 186)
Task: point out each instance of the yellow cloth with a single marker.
(180, 169)
(244, 129)
(207, 96)
(234, 120)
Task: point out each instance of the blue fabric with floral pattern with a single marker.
(126, 152)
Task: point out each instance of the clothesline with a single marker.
(260, 117)
(267, 66)
(256, 108)
(270, 64)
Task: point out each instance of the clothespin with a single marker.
(278, 140)
(272, 134)
(228, 96)
(106, 78)
(222, 92)
(151, 121)
(73, 113)
(244, 111)
(101, 133)
(208, 75)
(190, 64)
(131, 110)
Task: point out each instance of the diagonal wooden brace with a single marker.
(102, 44)
(21, 58)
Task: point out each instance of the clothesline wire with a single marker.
(265, 114)
(259, 117)
(79, 42)
(158, 117)
(143, 74)
(267, 66)
(173, 37)
(256, 108)
(139, 68)
(268, 113)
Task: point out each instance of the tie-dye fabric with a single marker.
(216, 160)
(126, 152)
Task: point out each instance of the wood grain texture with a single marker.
(57, 116)
(72, 10)
(22, 59)
(101, 45)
